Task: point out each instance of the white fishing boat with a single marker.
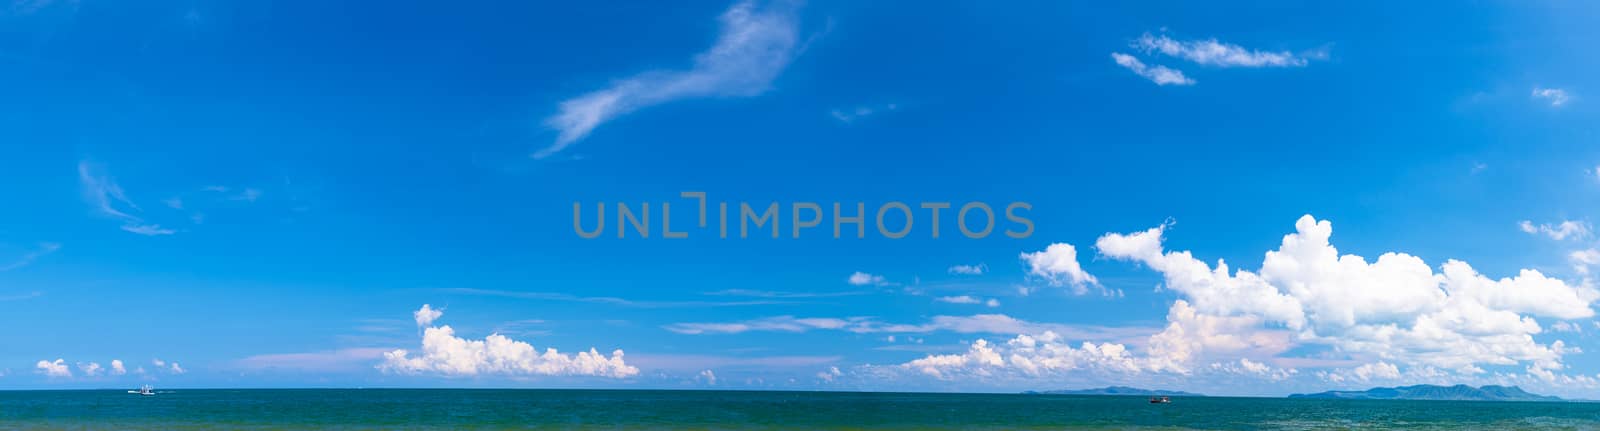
(144, 390)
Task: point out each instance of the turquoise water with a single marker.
(426, 409)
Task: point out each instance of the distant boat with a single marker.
(145, 390)
(1160, 400)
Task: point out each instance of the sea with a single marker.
(494, 409)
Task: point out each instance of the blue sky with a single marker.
(267, 195)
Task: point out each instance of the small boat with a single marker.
(145, 390)
(1160, 400)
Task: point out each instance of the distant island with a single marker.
(1434, 392)
(1115, 390)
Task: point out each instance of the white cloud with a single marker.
(974, 324)
(1210, 52)
(443, 353)
(707, 377)
(1247, 367)
(1058, 265)
(1396, 308)
(829, 374)
(1560, 231)
(770, 324)
(851, 115)
(1161, 75)
(90, 369)
(117, 368)
(1555, 96)
(864, 279)
(426, 315)
(108, 199)
(963, 299)
(978, 269)
(1191, 337)
(1565, 326)
(1583, 259)
(1027, 356)
(342, 360)
(26, 259)
(755, 44)
(57, 368)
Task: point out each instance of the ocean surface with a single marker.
(450, 409)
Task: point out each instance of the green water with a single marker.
(314, 409)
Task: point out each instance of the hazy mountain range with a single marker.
(1416, 392)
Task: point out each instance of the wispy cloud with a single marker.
(974, 324)
(784, 295)
(968, 299)
(756, 43)
(26, 259)
(864, 279)
(1560, 231)
(108, 199)
(850, 115)
(1204, 52)
(1161, 75)
(342, 360)
(1210, 52)
(29, 295)
(1555, 96)
(978, 269)
(549, 296)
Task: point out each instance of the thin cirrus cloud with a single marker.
(110, 200)
(1204, 52)
(974, 324)
(755, 45)
(30, 257)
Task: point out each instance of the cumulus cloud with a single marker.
(117, 368)
(426, 315)
(829, 374)
(1560, 231)
(707, 376)
(445, 354)
(864, 279)
(1027, 355)
(1058, 265)
(1396, 307)
(90, 369)
(1161, 75)
(57, 368)
(1247, 367)
(1210, 52)
(1555, 96)
(754, 46)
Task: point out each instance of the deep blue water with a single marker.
(313, 409)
